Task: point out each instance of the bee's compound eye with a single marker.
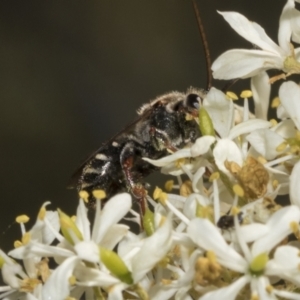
(193, 101)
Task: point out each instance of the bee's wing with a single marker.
(76, 175)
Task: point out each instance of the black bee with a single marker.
(165, 125)
(227, 221)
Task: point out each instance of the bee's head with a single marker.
(191, 102)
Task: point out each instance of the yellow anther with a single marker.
(73, 218)
(275, 183)
(246, 94)
(29, 284)
(72, 280)
(169, 185)
(42, 213)
(281, 147)
(207, 268)
(294, 227)
(275, 102)
(211, 256)
(189, 117)
(43, 270)
(186, 188)
(18, 244)
(205, 212)
(235, 210)
(26, 238)
(262, 160)
(254, 297)
(295, 148)
(166, 281)
(163, 198)
(231, 96)
(99, 194)
(157, 192)
(214, 176)
(253, 178)
(84, 195)
(22, 219)
(273, 122)
(269, 289)
(238, 190)
(232, 167)
(179, 162)
(164, 262)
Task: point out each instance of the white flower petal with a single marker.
(152, 251)
(286, 129)
(259, 285)
(202, 145)
(221, 111)
(251, 31)
(240, 63)
(285, 24)
(87, 250)
(261, 89)
(294, 185)
(9, 274)
(114, 210)
(279, 228)
(248, 126)
(82, 221)
(287, 295)
(229, 292)
(295, 26)
(265, 142)
(37, 249)
(57, 285)
(254, 231)
(170, 158)
(159, 292)
(289, 94)
(114, 235)
(93, 277)
(287, 257)
(207, 236)
(41, 232)
(227, 150)
(115, 292)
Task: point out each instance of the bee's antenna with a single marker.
(205, 46)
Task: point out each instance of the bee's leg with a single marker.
(127, 159)
(161, 140)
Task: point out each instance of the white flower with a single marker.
(80, 245)
(241, 63)
(289, 94)
(220, 110)
(252, 262)
(20, 282)
(153, 250)
(294, 185)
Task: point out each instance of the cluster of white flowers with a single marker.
(216, 231)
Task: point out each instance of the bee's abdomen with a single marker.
(103, 172)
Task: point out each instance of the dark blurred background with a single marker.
(73, 73)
